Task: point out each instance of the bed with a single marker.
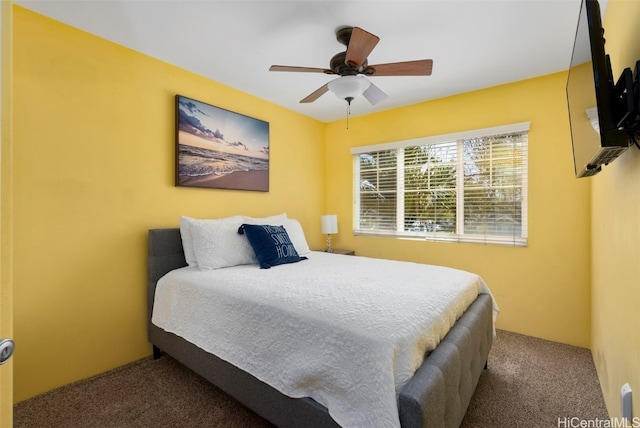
(436, 395)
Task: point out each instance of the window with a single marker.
(467, 187)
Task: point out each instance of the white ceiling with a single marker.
(474, 43)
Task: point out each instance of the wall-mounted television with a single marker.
(601, 112)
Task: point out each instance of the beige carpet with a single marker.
(530, 383)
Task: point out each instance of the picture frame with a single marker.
(220, 149)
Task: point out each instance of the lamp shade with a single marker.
(348, 87)
(329, 224)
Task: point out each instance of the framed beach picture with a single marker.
(220, 149)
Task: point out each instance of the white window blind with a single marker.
(468, 187)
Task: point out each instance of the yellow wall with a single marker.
(93, 170)
(543, 289)
(616, 238)
(6, 215)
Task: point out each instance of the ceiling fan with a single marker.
(351, 65)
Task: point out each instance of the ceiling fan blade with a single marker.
(374, 95)
(360, 46)
(315, 94)
(421, 67)
(300, 69)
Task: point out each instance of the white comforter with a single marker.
(347, 331)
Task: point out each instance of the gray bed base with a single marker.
(436, 397)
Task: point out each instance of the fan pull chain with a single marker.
(348, 114)
(348, 99)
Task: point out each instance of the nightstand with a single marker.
(344, 252)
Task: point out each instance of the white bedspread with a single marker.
(347, 331)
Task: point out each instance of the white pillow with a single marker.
(217, 244)
(187, 242)
(296, 234)
(274, 220)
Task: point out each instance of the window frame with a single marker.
(458, 138)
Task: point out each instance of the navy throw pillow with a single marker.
(271, 245)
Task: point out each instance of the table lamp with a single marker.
(329, 227)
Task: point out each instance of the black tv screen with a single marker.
(596, 137)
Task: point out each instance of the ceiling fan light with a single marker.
(348, 87)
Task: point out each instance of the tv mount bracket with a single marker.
(626, 95)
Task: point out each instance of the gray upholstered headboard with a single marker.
(165, 254)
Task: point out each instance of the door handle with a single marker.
(6, 350)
